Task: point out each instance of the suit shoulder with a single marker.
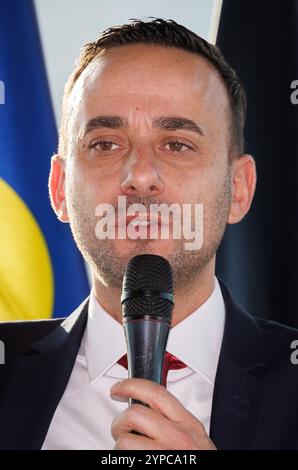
(281, 351)
(276, 331)
(18, 336)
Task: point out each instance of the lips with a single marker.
(138, 221)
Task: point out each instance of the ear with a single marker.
(57, 188)
(244, 180)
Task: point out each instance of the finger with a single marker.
(145, 421)
(156, 396)
(130, 441)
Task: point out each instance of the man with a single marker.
(153, 113)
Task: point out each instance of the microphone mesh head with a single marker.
(148, 272)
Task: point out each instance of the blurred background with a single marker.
(42, 274)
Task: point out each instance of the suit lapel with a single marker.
(37, 382)
(238, 391)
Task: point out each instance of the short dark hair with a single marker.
(166, 33)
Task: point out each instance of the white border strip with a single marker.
(214, 23)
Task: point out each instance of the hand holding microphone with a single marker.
(164, 423)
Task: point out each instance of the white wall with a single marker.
(66, 25)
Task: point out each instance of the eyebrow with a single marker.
(176, 123)
(110, 122)
(172, 123)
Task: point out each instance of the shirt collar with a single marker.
(104, 340)
(196, 340)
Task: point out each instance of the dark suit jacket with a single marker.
(255, 402)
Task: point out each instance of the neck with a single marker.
(187, 299)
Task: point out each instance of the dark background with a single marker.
(258, 257)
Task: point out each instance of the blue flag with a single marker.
(42, 273)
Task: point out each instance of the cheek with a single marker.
(201, 182)
(211, 184)
(90, 186)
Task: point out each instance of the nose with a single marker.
(141, 174)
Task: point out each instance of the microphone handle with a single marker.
(146, 339)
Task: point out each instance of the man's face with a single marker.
(145, 158)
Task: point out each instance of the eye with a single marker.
(104, 145)
(177, 146)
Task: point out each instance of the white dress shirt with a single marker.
(85, 412)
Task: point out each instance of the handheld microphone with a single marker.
(147, 302)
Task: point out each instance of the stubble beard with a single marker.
(108, 264)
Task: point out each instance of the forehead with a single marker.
(152, 80)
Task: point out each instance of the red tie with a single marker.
(170, 363)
